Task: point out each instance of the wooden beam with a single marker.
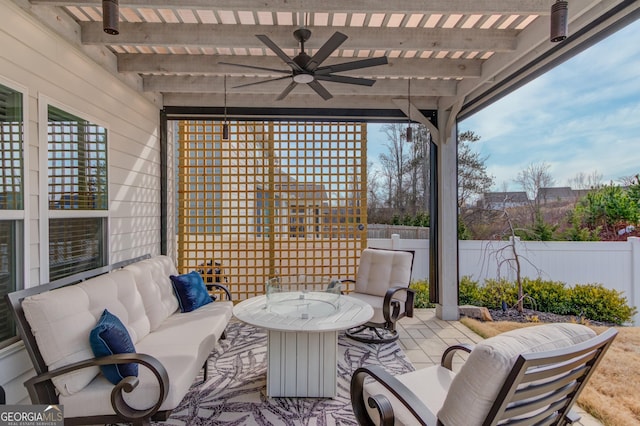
(506, 7)
(243, 36)
(209, 65)
(295, 100)
(208, 84)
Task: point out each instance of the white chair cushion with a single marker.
(376, 303)
(154, 284)
(429, 384)
(476, 386)
(379, 270)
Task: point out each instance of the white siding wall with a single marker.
(52, 68)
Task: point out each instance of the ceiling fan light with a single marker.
(110, 17)
(303, 78)
(559, 21)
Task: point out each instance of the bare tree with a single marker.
(374, 189)
(419, 169)
(628, 180)
(583, 180)
(531, 179)
(473, 178)
(395, 164)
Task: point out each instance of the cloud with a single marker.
(580, 117)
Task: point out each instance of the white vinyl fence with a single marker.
(615, 265)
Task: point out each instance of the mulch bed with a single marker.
(529, 315)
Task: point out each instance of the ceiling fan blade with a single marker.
(320, 90)
(327, 49)
(345, 79)
(353, 65)
(256, 68)
(274, 47)
(260, 82)
(286, 91)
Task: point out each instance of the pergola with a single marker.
(460, 55)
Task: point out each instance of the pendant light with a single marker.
(409, 134)
(110, 17)
(225, 124)
(559, 22)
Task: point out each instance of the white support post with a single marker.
(447, 260)
(634, 291)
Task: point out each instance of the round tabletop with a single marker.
(349, 312)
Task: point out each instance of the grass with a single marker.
(612, 394)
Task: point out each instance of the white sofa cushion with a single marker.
(62, 333)
(118, 293)
(62, 319)
(154, 284)
(379, 270)
(476, 386)
(182, 344)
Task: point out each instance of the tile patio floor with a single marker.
(424, 337)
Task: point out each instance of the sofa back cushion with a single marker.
(476, 386)
(61, 321)
(379, 270)
(118, 293)
(154, 284)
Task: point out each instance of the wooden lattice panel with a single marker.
(277, 199)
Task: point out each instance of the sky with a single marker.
(582, 116)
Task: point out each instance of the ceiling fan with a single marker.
(306, 69)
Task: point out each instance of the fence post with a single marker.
(634, 291)
(395, 241)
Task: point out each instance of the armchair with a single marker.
(529, 376)
(382, 281)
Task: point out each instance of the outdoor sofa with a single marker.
(170, 346)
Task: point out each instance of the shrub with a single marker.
(422, 294)
(591, 301)
(493, 292)
(549, 296)
(598, 303)
(469, 292)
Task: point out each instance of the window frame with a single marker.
(45, 212)
(20, 217)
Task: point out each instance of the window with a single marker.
(11, 204)
(78, 197)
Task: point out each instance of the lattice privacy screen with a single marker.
(276, 199)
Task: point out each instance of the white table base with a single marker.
(302, 364)
(302, 352)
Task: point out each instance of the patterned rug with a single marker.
(234, 393)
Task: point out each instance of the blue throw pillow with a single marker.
(190, 290)
(109, 337)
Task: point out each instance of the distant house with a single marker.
(560, 194)
(502, 200)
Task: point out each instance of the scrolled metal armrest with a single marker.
(221, 287)
(389, 303)
(447, 357)
(128, 384)
(380, 402)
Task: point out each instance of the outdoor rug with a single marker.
(234, 393)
